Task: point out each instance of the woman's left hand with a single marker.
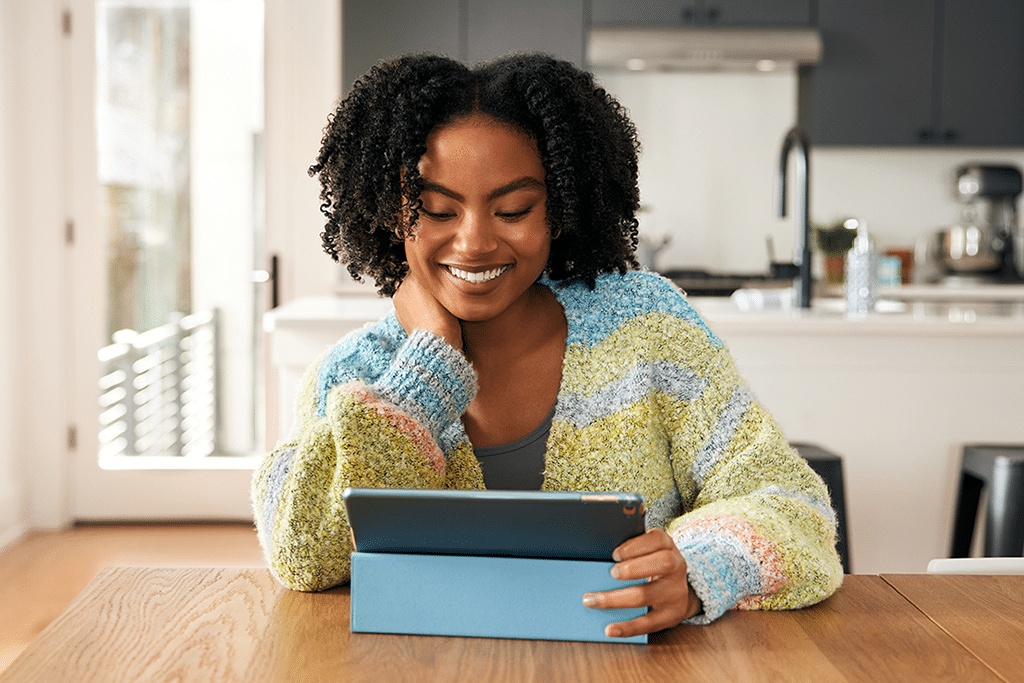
(667, 593)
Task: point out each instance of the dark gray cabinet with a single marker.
(702, 12)
(469, 30)
(373, 30)
(917, 72)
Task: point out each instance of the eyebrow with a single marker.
(526, 182)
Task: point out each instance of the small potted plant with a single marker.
(833, 241)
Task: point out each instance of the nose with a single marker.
(475, 235)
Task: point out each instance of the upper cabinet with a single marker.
(469, 30)
(702, 12)
(917, 72)
(373, 30)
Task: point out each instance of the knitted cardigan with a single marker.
(650, 402)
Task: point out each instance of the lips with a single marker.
(476, 278)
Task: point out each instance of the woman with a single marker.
(496, 206)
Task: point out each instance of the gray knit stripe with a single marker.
(276, 479)
(682, 383)
(823, 507)
(728, 421)
(662, 511)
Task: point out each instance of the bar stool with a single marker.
(1001, 469)
(829, 467)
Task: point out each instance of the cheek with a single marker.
(537, 248)
(413, 252)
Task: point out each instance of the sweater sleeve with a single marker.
(760, 531)
(365, 418)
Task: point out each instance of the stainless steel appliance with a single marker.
(986, 245)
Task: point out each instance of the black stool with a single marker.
(1001, 468)
(829, 467)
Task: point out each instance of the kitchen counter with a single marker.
(298, 333)
(897, 394)
(917, 317)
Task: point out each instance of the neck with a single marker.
(528, 324)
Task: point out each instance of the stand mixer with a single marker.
(987, 244)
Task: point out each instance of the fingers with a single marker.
(644, 544)
(667, 593)
(416, 308)
(661, 562)
(648, 623)
(670, 601)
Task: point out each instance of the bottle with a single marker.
(861, 275)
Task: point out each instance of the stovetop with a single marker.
(697, 282)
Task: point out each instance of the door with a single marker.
(165, 123)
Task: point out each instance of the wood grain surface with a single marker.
(151, 624)
(985, 614)
(44, 571)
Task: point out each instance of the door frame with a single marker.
(302, 82)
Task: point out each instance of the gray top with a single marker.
(517, 466)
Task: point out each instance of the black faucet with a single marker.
(796, 138)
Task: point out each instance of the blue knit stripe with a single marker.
(429, 381)
(678, 382)
(628, 296)
(728, 421)
(275, 479)
(363, 356)
(720, 570)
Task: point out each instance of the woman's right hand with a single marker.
(417, 309)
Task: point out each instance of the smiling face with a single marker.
(482, 238)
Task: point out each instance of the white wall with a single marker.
(709, 166)
(12, 517)
(901, 193)
(34, 396)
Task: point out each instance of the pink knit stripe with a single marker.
(416, 433)
(759, 548)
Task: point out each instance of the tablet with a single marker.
(538, 524)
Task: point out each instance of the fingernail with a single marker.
(589, 600)
(612, 631)
(615, 571)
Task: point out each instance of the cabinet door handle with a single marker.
(713, 14)
(951, 135)
(925, 135)
(275, 281)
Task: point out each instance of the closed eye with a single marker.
(513, 215)
(443, 215)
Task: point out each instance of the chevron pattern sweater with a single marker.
(650, 402)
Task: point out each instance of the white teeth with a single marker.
(477, 278)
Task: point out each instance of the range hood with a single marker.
(702, 49)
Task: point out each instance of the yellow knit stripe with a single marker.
(633, 460)
(650, 337)
(379, 454)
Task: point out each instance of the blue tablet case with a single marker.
(494, 597)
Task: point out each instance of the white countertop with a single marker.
(893, 318)
(909, 310)
(923, 311)
(316, 311)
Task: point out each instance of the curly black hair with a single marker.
(368, 161)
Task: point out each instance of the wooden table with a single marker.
(147, 624)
